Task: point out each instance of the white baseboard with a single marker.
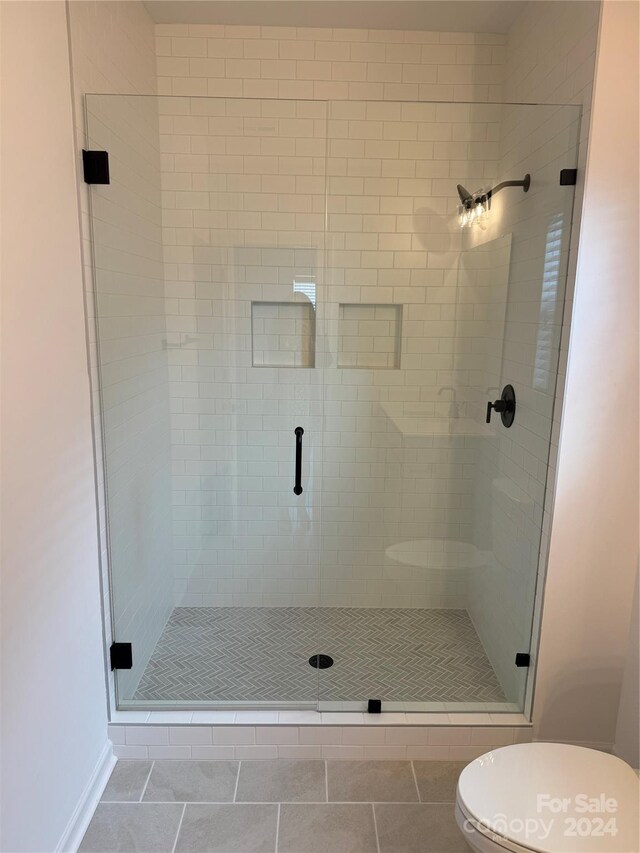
(83, 812)
(601, 746)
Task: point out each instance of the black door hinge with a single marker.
(523, 659)
(95, 165)
(121, 655)
(568, 177)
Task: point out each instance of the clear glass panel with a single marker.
(209, 246)
(432, 518)
(263, 265)
(513, 272)
(131, 312)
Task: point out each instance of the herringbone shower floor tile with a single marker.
(262, 653)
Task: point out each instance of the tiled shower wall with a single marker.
(246, 179)
(112, 50)
(328, 64)
(395, 473)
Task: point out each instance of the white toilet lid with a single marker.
(552, 798)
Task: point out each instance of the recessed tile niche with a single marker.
(370, 336)
(283, 334)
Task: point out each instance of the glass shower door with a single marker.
(209, 256)
(288, 280)
(432, 517)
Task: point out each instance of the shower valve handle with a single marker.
(505, 406)
(499, 406)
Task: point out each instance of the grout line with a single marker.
(415, 779)
(275, 803)
(326, 780)
(277, 827)
(375, 826)
(175, 843)
(147, 782)
(235, 790)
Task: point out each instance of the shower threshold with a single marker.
(261, 655)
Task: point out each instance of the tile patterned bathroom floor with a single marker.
(262, 653)
(283, 806)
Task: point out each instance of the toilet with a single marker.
(548, 798)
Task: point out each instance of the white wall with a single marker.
(53, 684)
(594, 541)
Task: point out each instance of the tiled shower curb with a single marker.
(310, 734)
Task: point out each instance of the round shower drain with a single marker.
(320, 661)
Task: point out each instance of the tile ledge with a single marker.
(324, 719)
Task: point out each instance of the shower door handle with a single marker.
(299, 432)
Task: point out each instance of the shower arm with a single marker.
(525, 183)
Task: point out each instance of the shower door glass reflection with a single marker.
(209, 254)
(432, 518)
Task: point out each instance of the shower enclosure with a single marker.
(297, 343)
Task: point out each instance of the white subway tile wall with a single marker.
(328, 64)
(392, 249)
(369, 336)
(244, 230)
(394, 472)
(283, 334)
(380, 741)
